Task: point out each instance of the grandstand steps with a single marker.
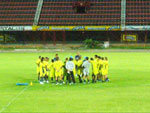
(15, 12)
(138, 12)
(61, 12)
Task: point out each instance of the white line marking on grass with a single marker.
(12, 100)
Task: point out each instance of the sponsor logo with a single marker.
(43, 28)
(77, 28)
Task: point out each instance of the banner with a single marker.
(15, 28)
(129, 38)
(136, 28)
(76, 28)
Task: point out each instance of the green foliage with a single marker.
(89, 43)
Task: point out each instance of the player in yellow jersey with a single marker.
(104, 69)
(38, 67)
(94, 70)
(99, 61)
(46, 70)
(75, 68)
(96, 57)
(58, 71)
(52, 70)
(79, 69)
(42, 71)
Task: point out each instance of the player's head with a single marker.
(57, 58)
(71, 58)
(42, 59)
(76, 58)
(47, 59)
(91, 58)
(52, 60)
(99, 57)
(106, 58)
(80, 57)
(96, 56)
(66, 59)
(87, 58)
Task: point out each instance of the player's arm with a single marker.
(83, 65)
(37, 62)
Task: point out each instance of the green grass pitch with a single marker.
(128, 90)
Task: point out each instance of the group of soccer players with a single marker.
(65, 72)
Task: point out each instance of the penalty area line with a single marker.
(12, 100)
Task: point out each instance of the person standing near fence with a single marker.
(70, 66)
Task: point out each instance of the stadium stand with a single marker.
(138, 12)
(61, 12)
(17, 12)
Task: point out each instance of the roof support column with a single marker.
(38, 12)
(123, 15)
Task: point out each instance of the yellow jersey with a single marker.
(94, 67)
(38, 65)
(38, 61)
(58, 65)
(51, 68)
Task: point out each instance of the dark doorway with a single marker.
(81, 9)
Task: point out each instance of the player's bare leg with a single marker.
(95, 79)
(103, 78)
(106, 78)
(98, 77)
(57, 81)
(84, 79)
(46, 78)
(41, 80)
(61, 79)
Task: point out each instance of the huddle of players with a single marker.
(70, 68)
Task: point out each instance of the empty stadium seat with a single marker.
(138, 12)
(60, 12)
(17, 12)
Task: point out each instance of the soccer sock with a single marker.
(41, 79)
(107, 79)
(51, 78)
(63, 78)
(92, 80)
(80, 79)
(45, 77)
